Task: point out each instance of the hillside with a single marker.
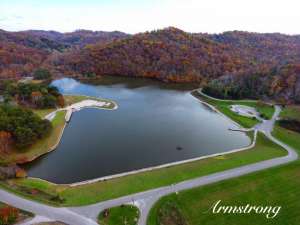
(23, 52)
(265, 65)
(169, 55)
(18, 60)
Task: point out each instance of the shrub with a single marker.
(42, 74)
(293, 125)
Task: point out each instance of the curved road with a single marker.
(87, 215)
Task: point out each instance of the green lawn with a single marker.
(104, 190)
(276, 186)
(121, 215)
(287, 136)
(224, 107)
(40, 147)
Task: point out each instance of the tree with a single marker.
(8, 215)
(24, 136)
(47, 101)
(61, 101)
(42, 74)
(20, 127)
(5, 139)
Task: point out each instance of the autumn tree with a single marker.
(5, 140)
(42, 74)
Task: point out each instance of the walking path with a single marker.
(87, 215)
(88, 103)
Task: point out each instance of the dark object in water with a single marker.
(179, 148)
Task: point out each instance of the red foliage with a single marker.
(5, 141)
(8, 214)
(168, 55)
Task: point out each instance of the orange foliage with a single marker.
(5, 141)
(8, 213)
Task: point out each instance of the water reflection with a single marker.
(153, 125)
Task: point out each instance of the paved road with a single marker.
(87, 215)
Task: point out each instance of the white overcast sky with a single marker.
(132, 16)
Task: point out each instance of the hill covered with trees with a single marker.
(21, 53)
(242, 64)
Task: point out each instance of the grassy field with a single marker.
(276, 186)
(121, 215)
(291, 112)
(40, 147)
(99, 191)
(290, 137)
(224, 107)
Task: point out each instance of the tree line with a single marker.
(35, 95)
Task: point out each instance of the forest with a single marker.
(268, 63)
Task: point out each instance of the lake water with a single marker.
(155, 124)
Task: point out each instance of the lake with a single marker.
(155, 123)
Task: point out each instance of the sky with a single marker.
(133, 16)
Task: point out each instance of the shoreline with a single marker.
(147, 169)
(50, 150)
(67, 109)
(166, 165)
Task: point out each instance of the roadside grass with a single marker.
(289, 137)
(71, 99)
(291, 112)
(40, 147)
(273, 187)
(121, 215)
(277, 186)
(22, 215)
(224, 107)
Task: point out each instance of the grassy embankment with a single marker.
(224, 107)
(276, 186)
(121, 215)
